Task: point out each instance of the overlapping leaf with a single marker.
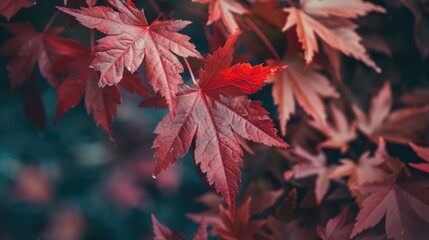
(81, 81)
(214, 120)
(400, 126)
(306, 85)
(27, 48)
(313, 165)
(339, 133)
(8, 8)
(404, 205)
(162, 232)
(132, 40)
(368, 170)
(330, 21)
(225, 11)
(422, 152)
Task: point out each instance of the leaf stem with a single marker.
(264, 39)
(51, 21)
(91, 39)
(190, 71)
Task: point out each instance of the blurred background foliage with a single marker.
(70, 181)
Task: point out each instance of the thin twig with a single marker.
(264, 39)
(51, 21)
(190, 71)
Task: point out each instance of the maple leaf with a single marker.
(241, 227)
(9, 8)
(215, 119)
(367, 170)
(162, 232)
(224, 10)
(27, 48)
(201, 233)
(312, 165)
(306, 85)
(81, 81)
(337, 228)
(422, 152)
(340, 133)
(400, 126)
(404, 205)
(131, 40)
(330, 21)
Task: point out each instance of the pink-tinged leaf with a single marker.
(399, 126)
(339, 133)
(201, 233)
(214, 120)
(313, 165)
(378, 111)
(132, 41)
(330, 21)
(368, 170)
(308, 87)
(239, 228)
(9, 8)
(337, 228)
(339, 8)
(422, 152)
(404, 205)
(161, 232)
(225, 11)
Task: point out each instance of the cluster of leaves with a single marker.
(335, 141)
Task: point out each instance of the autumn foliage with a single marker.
(309, 97)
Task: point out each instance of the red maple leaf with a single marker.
(9, 8)
(28, 47)
(204, 112)
(131, 41)
(162, 232)
(81, 81)
(239, 228)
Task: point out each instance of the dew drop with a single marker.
(153, 176)
(171, 149)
